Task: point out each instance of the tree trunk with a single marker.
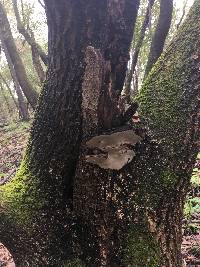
(8, 41)
(136, 51)
(161, 32)
(9, 90)
(28, 37)
(23, 111)
(37, 64)
(6, 100)
(53, 149)
(95, 216)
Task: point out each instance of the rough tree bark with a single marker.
(161, 31)
(136, 51)
(99, 217)
(9, 43)
(23, 110)
(28, 37)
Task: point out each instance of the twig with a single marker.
(7, 177)
(183, 15)
(41, 4)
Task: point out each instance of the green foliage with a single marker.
(195, 180)
(191, 229)
(195, 250)
(192, 206)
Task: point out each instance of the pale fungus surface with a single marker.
(116, 149)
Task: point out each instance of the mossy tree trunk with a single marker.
(64, 208)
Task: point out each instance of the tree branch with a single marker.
(183, 15)
(41, 4)
(136, 50)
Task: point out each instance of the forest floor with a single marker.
(13, 139)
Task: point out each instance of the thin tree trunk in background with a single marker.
(23, 110)
(31, 41)
(6, 100)
(136, 51)
(9, 43)
(37, 64)
(160, 34)
(9, 90)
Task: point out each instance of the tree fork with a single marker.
(138, 204)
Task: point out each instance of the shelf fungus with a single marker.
(115, 150)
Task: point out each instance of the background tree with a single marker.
(37, 51)
(9, 44)
(22, 106)
(136, 51)
(159, 37)
(34, 69)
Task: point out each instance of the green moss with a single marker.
(168, 92)
(141, 249)
(168, 177)
(74, 263)
(21, 197)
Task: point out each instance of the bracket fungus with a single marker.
(115, 149)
